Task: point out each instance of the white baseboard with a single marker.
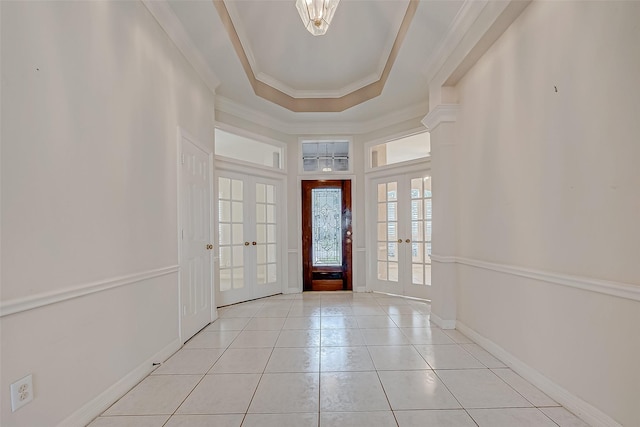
(100, 403)
(582, 409)
(441, 323)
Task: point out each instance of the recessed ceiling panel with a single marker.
(284, 59)
(351, 55)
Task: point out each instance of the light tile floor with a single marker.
(333, 359)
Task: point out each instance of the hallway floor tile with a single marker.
(332, 359)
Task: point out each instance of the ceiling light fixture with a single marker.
(316, 15)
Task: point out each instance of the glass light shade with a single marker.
(316, 15)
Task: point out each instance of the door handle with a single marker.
(254, 243)
(209, 247)
(408, 240)
(399, 240)
(246, 243)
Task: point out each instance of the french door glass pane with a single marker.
(225, 234)
(392, 227)
(261, 213)
(326, 223)
(382, 270)
(392, 251)
(236, 189)
(392, 191)
(224, 188)
(418, 274)
(238, 234)
(382, 192)
(393, 271)
(224, 213)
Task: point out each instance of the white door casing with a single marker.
(195, 238)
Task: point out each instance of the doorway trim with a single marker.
(295, 255)
(182, 134)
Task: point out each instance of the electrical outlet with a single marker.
(21, 392)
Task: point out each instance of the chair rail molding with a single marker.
(40, 300)
(607, 287)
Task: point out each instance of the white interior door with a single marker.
(401, 248)
(249, 260)
(195, 236)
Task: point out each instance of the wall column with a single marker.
(440, 123)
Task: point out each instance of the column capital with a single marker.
(443, 113)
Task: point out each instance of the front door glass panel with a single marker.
(327, 226)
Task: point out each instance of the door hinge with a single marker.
(182, 158)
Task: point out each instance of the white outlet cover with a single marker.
(21, 392)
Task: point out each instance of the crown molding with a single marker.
(170, 23)
(309, 127)
(462, 23)
(443, 113)
(478, 24)
(496, 17)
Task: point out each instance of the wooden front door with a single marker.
(326, 235)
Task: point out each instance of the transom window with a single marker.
(325, 155)
(412, 147)
(249, 150)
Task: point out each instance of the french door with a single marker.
(401, 235)
(249, 252)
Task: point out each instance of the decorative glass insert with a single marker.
(325, 156)
(326, 222)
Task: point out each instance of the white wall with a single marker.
(92, 94)
(549, 181)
